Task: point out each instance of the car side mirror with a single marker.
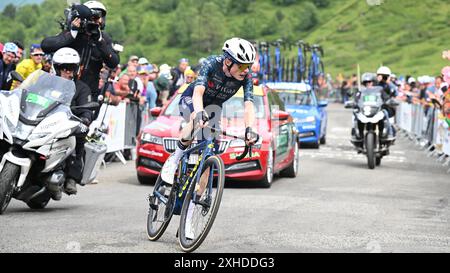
(156, 111)
(280, 115)
(323, 103)
(16, 76)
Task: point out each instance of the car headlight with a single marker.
(305, 120)
(146, 137)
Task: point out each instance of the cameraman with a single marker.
(84, 34)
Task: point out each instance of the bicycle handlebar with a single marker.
(248, 148)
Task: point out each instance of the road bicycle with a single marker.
(316, 67)
(278, 68)
(300, 64)
(184, 197)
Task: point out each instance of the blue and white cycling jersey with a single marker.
(218, 87)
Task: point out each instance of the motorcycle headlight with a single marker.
(369, 111)
(146, 137)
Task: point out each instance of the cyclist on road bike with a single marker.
(220, 77)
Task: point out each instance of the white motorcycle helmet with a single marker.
(239, 50)
(66, 57)
(98, 9)
(384, 70)
(95, 5)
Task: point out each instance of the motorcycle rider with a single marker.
(66, 62)
(383, 77)
(368, 80)
(85, 35)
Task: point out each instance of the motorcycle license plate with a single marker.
(193, 159)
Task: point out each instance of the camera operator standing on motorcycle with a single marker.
(84, 33)
(383, 76)
(66, 63)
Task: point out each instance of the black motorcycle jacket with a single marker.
(81, 97)
(93, 54)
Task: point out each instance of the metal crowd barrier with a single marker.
(426, 126)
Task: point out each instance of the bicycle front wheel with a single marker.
(197, 218)
(159, 214)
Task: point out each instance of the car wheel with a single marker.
(266, 182)
(292, 170)
(316, 145)
(146, 180)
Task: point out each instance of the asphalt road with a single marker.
(336, 204)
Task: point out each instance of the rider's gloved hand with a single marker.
(202, 118)
(251, 137)
(85, 121)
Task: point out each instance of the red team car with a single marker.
(276, 151)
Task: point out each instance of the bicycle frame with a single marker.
(314, 66)
(207, 146)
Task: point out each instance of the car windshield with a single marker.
(232, 108)
(294, 97)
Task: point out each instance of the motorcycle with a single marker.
(37, 133)
(370, 125)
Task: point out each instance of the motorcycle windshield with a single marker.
(371, 97)
(42, 93)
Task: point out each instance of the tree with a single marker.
(239, 7)
(285, 2)
(28, 15)
(181, 24)
(321, 3)
(307, 17)
(116, 28)
(9, 11)
(208, 30)
(164, 5)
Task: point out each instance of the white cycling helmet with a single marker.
(384, 70)
(239, 50)
(95, 5)
(65, 57)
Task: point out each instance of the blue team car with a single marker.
(310, 115)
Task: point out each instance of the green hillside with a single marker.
(406, 35)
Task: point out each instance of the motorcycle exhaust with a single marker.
(55, 181)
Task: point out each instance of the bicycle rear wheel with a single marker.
(160, 214)
(199, 218)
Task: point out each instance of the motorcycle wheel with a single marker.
(370, 147)
(8, 179)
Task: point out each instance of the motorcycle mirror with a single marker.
(349, 104)
(392, 102)
(16, 76)
(88, 106)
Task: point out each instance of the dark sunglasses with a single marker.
(38, 54)
(67, 67)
